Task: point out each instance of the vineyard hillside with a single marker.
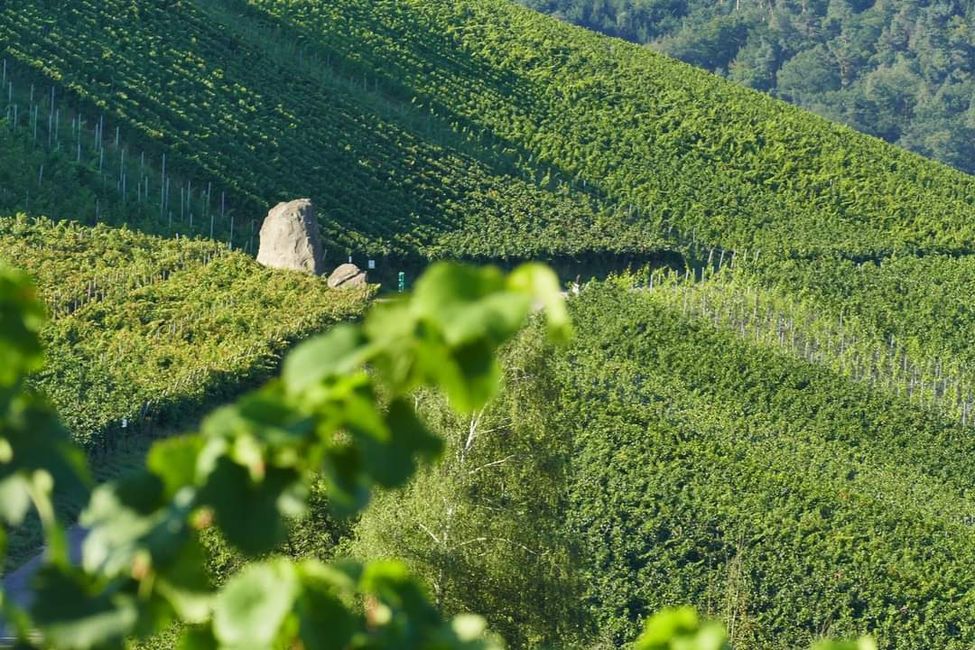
(767, 415)
(790, 500)
(476, 129)
(147, 333)
(701, 442)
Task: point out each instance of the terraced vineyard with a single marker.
(788, 499)
(923, 302)
(387, 176)
(58, 160)
(145, 329)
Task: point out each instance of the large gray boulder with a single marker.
(347, 276)
(290, 238)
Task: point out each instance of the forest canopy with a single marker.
(901, 71)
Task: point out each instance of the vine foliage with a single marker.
(341, 409)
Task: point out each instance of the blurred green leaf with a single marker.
(21, 319)
(468, 375)
(72, 612)
(264, 414)
(131, 525)
(348, 489)
(390, 581)
(251, 514)
(184, 582)
(482, 376)
(681, 629)
(339, 352)
(14, 499)
(174, 462)
(251, 609)
(37, 440)
(326, 623)
(542, 284)
(197, 638)
(468, 302)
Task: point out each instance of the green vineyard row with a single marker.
(388, 177)
(777, 494)
(839, 336)
(145, 328)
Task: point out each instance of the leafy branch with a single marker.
(340, 410)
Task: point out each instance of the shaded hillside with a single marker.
(235, 102)
(479, 127)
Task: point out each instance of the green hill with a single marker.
(784, 445)
(388, 177)
(437, 128)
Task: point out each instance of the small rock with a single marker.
(347, 276)
(290, 238)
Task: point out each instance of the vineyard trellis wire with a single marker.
(86, 145)
(780, 320)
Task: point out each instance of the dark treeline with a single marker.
(899, 70)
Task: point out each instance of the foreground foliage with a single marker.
(248, 471)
